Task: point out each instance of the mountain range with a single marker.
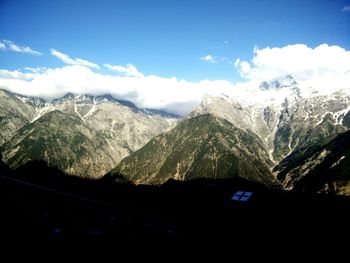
(282, 138)
(287, 135)
(80, 134)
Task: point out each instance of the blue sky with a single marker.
(170, 54)
(167, 38)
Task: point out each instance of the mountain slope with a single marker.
(280, 126)
(308, 123)
(323, 168)
(288, 124)
(204, 146)
(81, 134)
(284, 115)
(15, 112)
(73, 150)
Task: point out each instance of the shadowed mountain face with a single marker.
(74, 150)
(299, 162)
(201, 147)
(320, 169)
(81, 134)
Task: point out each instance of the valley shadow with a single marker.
(42, 202)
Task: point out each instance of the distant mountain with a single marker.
(281, 132)
(81, 134)
(287, 125)
(286, 82)
(282, 116)
(204, 146)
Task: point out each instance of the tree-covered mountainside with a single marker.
(323, 169)
(201, 147)
(60, 139)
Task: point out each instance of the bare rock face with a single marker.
(80, 134)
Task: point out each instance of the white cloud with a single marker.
(208, 58)
(324, 68)
(73, 61)
(214, 59)
(9, 45)
(130, 70)
(298, 60)
(346, 8)
(236, 63)
(224, 59)
(16, 75)
(245, 67)
(170, 94)
(35, 70)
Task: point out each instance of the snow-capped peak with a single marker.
(37, 102)
(280, 83)
(76, 97)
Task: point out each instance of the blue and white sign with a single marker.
(241, 196)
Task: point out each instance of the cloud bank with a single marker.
(300, 61)
(170, 94)
(73, 61)
(9, 45)
(325, 68)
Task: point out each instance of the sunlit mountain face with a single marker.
(148, 93)
(82, 135)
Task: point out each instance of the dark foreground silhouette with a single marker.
(41, 203)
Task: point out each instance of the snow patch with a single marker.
(23, 99)
(42, 111)
(271, 157)
(322, 117)
(76, 110)
(92, 110)
(338, 162)
(339, 116)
